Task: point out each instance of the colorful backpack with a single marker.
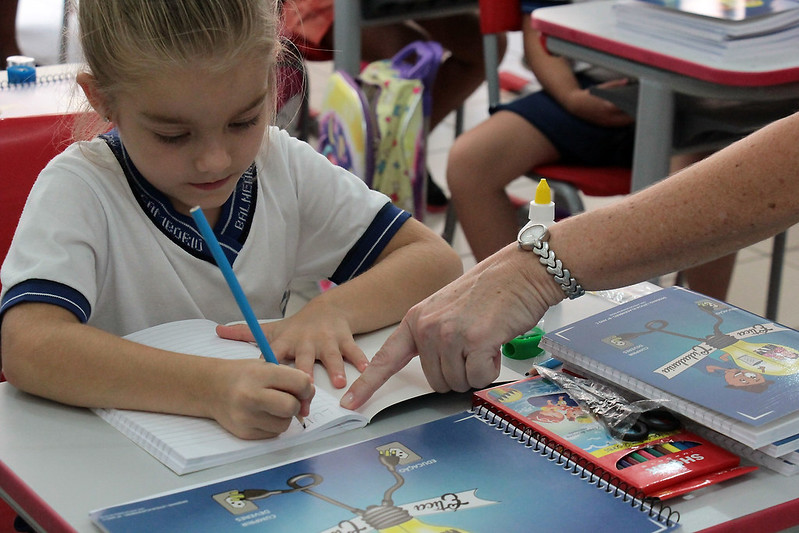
(375, 126)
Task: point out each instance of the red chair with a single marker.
(27, 144)
(567, 181)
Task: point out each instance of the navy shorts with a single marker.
(577, 141)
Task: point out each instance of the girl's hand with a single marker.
(597, 110)
(315, 333)
(254, 399)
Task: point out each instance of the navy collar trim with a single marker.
(235, 219)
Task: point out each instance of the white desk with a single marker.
(57, 463)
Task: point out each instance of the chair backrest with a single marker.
(27, 144)
(496, 16)
(499, 16)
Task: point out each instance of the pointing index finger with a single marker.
(392, 357)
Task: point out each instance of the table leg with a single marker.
(775, 276)
(653, 133)
(347, 36)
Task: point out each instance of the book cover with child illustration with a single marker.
(718, 364)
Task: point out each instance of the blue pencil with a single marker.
(227, 271)
(235, 287)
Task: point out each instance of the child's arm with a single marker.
(557, 78)
(415, 264)
(46, 351)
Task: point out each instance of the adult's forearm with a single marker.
(740, 195)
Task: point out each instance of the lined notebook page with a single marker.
(187, 444)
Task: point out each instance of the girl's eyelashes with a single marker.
(246, 123)
(171, 139)
(175, 139)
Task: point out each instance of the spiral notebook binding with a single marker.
(40, 80)
(578, 465)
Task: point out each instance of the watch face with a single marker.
(530, 234)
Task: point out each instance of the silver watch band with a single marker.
(554, 266)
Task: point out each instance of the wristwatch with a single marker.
(530, 233)
(533, 237)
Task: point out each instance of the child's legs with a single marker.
(482, 162)
(712, 278)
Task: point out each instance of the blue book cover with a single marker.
(463, 473)
(727, 368)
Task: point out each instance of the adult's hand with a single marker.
(458, 330)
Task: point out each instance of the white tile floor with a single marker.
(39, 26)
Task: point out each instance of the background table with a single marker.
(588, 32)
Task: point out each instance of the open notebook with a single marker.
(187, 444)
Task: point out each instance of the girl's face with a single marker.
(192, 133)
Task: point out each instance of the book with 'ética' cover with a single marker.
(717, 364)
(459, 474)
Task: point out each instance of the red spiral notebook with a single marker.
(662, 465)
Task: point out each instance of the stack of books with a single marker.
(731, 374)
(718, 29)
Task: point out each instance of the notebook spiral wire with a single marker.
(579, 466)
(40, 80)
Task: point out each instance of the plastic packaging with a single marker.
(624, 419)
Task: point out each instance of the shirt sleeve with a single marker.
(57, 252)
(343, 225)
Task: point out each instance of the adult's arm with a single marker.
(734, 198)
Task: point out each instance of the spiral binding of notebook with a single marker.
(47, 79)
(577, 465)
(54, 91)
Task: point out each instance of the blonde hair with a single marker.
(125, 41)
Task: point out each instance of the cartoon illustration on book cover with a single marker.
(546, 404)
(752, 361)
(384, 517)
(461, 473)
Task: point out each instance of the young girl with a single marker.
(106, 245)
